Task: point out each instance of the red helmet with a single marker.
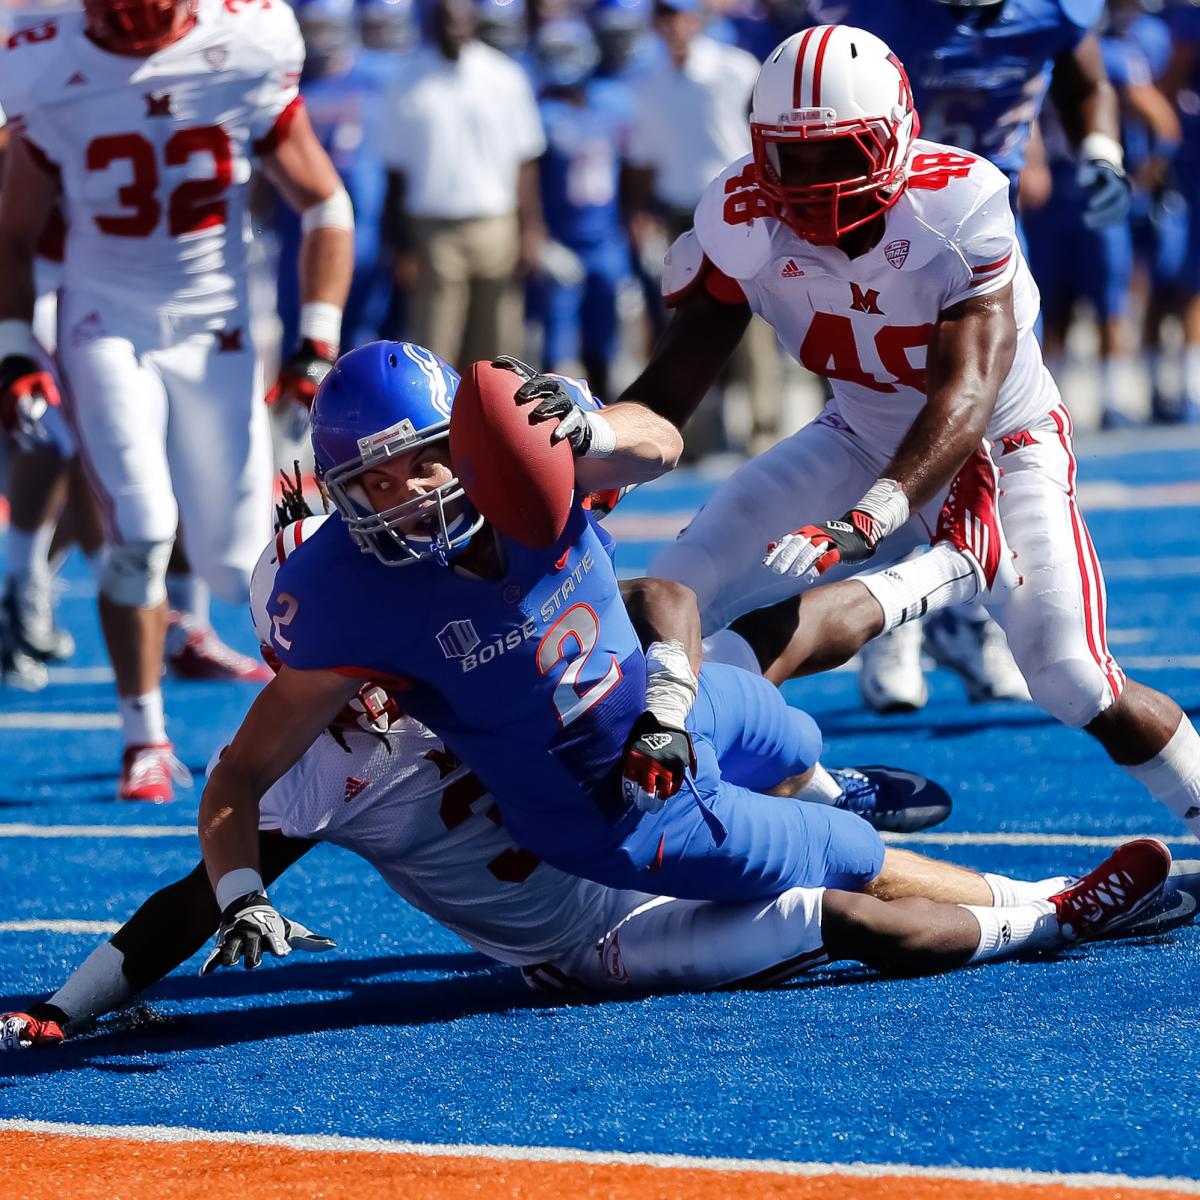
(138, 27)
(832, 125)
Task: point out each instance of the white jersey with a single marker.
(864, 323)
(155, 154)
(425, 823)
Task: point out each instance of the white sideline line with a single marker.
(1028, 839)
(1161, 662)
(60, 926)
(59, 720)
(18, 829)
(79, 675)
(560, 1154)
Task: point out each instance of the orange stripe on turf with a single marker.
(37, 1166)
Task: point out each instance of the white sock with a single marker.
(97, 986)
(942, 578)
(1005, 931)
(29, 552)
(1115, 377)
(821, 788)
(188, 594)
(1008, 893)
(142, 719)
(1191, 374)
(1172, 776)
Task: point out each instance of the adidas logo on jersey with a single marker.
(76, 79)
(354, 787)
(790, 270)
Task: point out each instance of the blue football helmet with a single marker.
(380, 400)
(327, 27)
(565, 53)
(390, 25)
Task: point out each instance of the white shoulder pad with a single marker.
(734, 235)
(267, 29)
(682, 268)
(31, 62)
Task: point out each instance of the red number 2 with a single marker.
(194, 205)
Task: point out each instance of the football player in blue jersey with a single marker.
(1072, 261)
(526, 662)
(580, 181)
(622, 29)
(979, 70)
(341, 88)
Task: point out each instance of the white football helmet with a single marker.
(832, 124)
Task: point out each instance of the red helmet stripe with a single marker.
(819, 64)
(797, 98)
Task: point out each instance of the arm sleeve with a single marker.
(984, 250)
(530, 136)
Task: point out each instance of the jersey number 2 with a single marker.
(580, 625)
(194, 205)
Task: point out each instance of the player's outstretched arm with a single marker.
(165, 931)
(285, 719)
(689, 356)
(302, 173)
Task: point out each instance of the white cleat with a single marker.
(977, 652)
(890, 678)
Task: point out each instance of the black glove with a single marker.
(250, 921)
(655, 761)
(555, 403)
(303, 372)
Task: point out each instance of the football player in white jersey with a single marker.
(381, 785)
(891, 267)
(147, 118)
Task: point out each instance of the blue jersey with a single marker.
(1183, 20)
(580, 171)
(534, 680)
(979, 76)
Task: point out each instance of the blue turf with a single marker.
(1084, 1062)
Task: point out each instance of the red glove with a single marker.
(20, 1031)
(26, 391)
(303, 373)
(655, 763)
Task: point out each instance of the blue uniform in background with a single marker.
(979, 75)
(1183, 21)
(580, 181)
(343, 109)
(535, 681)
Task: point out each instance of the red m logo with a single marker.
(158, 106)
(864, 302)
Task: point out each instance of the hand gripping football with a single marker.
(514, 475)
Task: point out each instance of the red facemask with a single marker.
(138, 27)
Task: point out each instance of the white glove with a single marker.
(795, 556)
(560, 263)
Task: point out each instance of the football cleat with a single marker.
(891, 800)
(20, 671)
(969, 521)
(195, 652)
(890, 678)
(28, 619)
(1177, 905)
(20, 1031)
(977, 652)
(149, 773)
(1124, 886)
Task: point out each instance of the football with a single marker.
(514, 475)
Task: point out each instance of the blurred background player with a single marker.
(460, 137)
(586, 130)
(979, 70)
(504, 25)
(690, 107)
(164, 385)
(1072, 260)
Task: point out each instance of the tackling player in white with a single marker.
(381, 785)
(147, 118)
(891, 267)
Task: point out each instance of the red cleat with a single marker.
(1125, 883)
(148, 773)
(969, 521)
(195, 652)
(20, 1031)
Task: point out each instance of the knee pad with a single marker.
(1074, 691)
(134, 574)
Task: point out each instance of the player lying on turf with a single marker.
(383, 786)
(522, 658)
